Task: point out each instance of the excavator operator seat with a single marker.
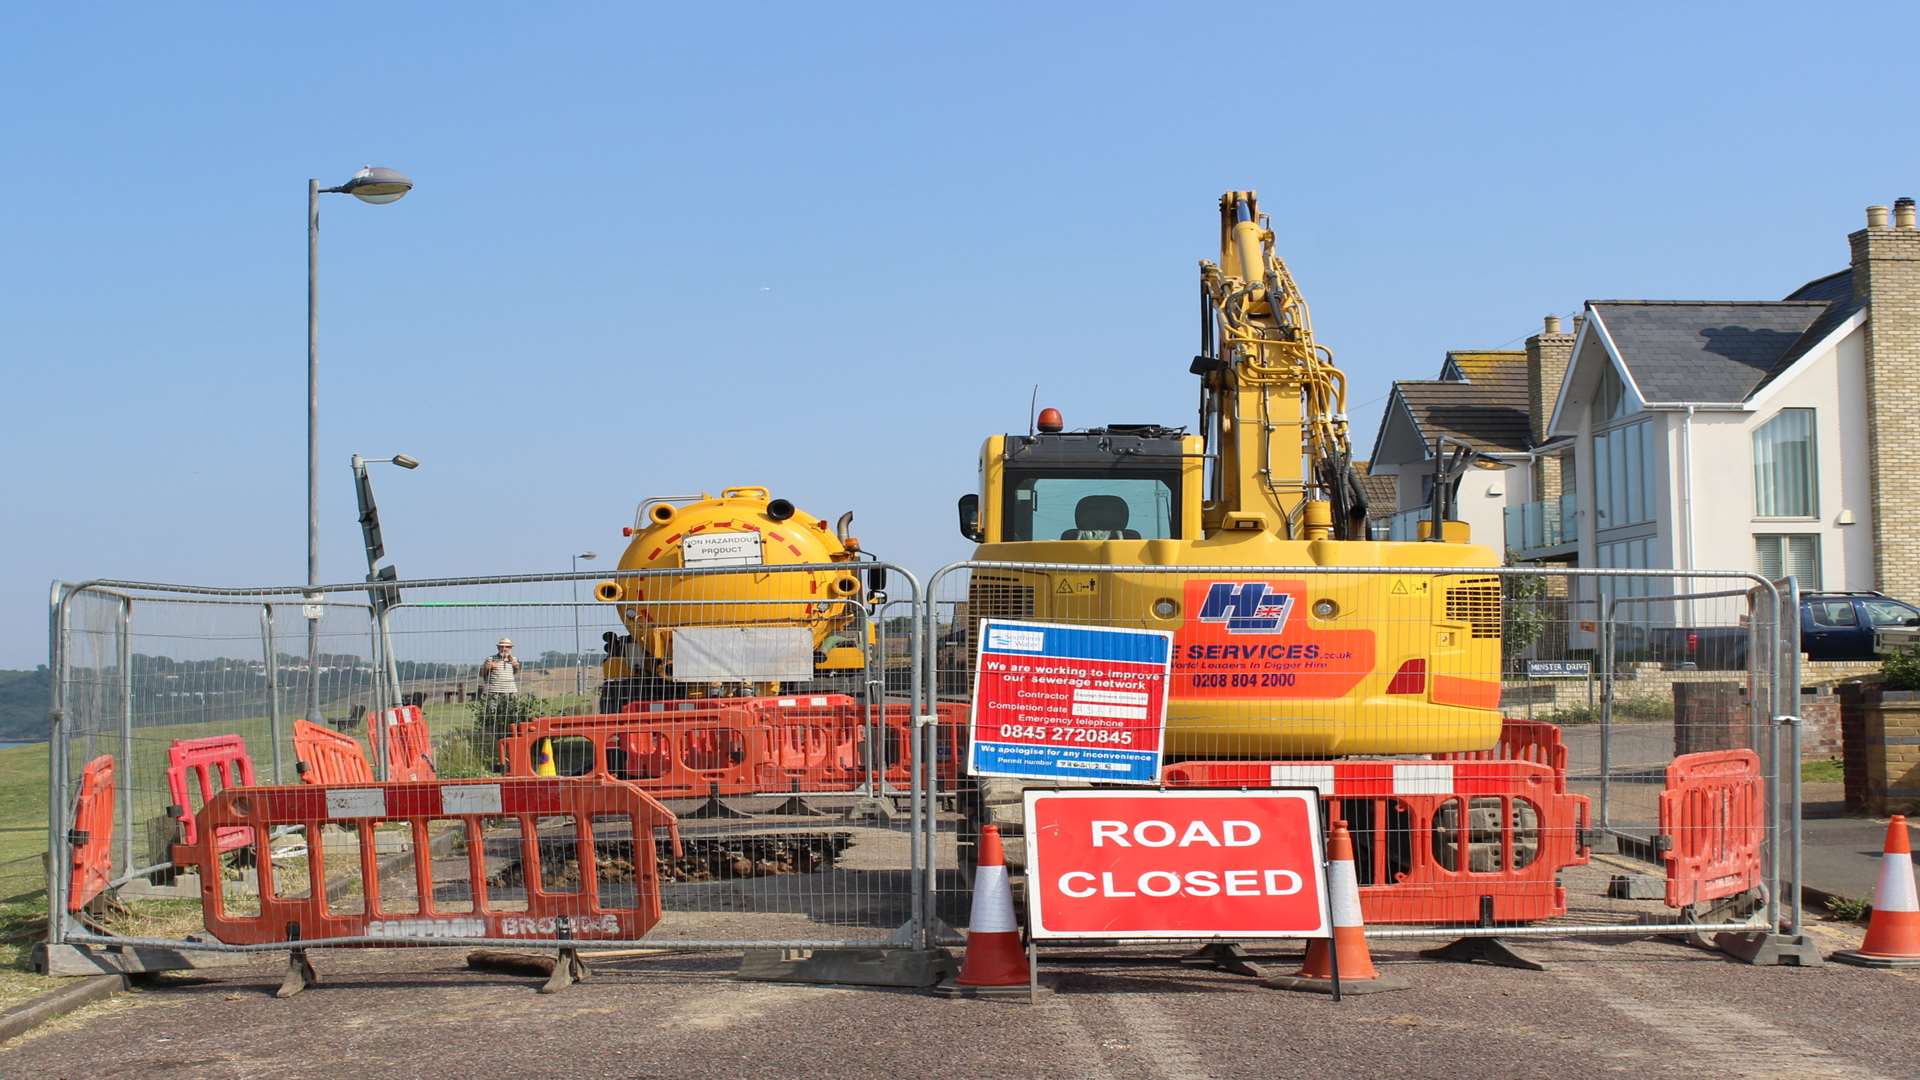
(1100, 517)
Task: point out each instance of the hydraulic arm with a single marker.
(1272, 405)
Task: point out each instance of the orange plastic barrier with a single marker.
(815, 741)
(325, 756)
(807, 744)
(409, 746)
(90, 841)
(1713, 817)
(216, 757)
(552, 822)
(698, 752)
(1523, 740)
(1440, 842)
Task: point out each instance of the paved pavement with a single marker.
(1840, 855)
(1644, 1009)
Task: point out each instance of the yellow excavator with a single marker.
(1267, 663)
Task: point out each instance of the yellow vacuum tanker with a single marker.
(1267, 663)
(709, 609)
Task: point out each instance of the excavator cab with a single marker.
(1124, 482)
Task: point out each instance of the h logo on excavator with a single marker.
(1246, 607)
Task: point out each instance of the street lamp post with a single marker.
(381, 597)
(370, 185)
(579, 671)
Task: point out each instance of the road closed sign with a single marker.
(1176, 864)
(1056, 702)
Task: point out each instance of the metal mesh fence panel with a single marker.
(703, 758)
(786, 756)
(145, 678)
(1516, 750)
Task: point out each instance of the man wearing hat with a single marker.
(498, 672)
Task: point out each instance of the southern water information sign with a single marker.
(1056, 702)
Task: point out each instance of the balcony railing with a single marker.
(1405, 525)
(1545, 523)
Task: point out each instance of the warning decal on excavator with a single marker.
(1410, 586)
(1252, 639)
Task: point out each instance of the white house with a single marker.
(1479, 402)
(1719, 435)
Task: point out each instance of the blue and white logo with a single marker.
(1246, 607)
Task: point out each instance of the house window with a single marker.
(1783, 467)
(1795, 554)
(1609, 398)
(1623, 475)
(1629, 555)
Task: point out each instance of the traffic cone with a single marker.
(995, 964)
(1893, 931)
(543, 759)
(1349, 944)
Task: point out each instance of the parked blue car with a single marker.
(1840, 626)
(1833, 626)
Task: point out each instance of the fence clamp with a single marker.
(78, 838)
(1787, 720)
(929, 720)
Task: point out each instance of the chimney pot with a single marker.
(1903, 216)
(1553, 324)
(1876, 217)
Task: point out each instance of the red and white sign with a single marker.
(1176, 864)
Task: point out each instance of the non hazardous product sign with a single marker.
(1190, 864)
(1076, 702)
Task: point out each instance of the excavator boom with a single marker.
(1272, 405)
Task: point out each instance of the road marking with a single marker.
(1157, 1039)
(716, 1012)
(1072, 1032)
(1739, 1042)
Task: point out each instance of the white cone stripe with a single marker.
(1345, 887)
(992, 902)
(1895, 891)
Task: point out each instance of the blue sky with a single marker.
(823, 248)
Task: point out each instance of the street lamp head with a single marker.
(588, 555)
(377, 185)
(406, 462)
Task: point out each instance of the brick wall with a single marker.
(1819, 724)
(1711, 716)
(1886, 278)
(1882, 758)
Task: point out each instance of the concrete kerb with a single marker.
(57, 1003)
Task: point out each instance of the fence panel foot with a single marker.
(69, 961)
(1485, 950)
(299, 976)
(885, 966)
(568, 969)
(1770, 950)
(875, 810)
(1224, 956)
